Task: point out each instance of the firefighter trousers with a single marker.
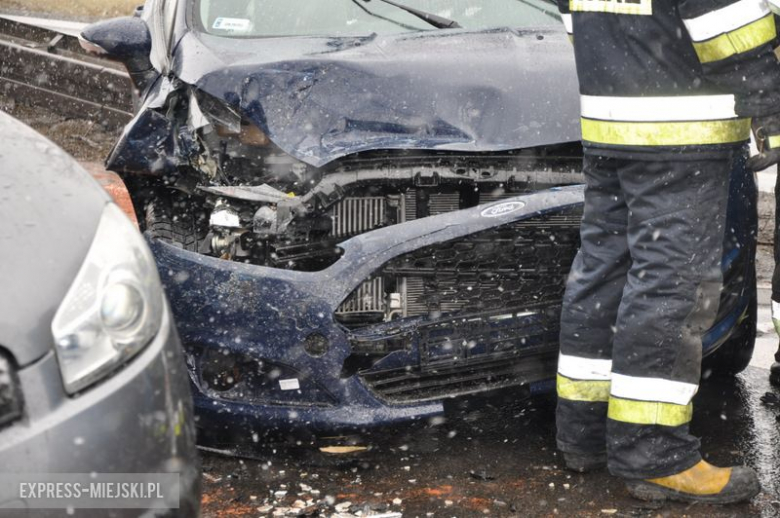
(642, 291)
(776, 273)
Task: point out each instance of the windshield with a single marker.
(267, 18)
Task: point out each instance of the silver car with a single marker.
(92, 378)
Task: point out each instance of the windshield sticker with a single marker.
(291, 384)
(638, 7)
(232, 24)
(502, 209)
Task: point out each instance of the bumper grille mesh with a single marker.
(491, 307)
(508, 267)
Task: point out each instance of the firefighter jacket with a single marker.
(672, 78)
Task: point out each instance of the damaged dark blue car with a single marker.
(362, 209)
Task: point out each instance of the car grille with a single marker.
(10, 399)
(356, 215)
(490, 307)
(524, 263)
(456, 275)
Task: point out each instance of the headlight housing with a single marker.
(114, 307)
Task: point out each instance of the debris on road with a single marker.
(284, 500)
(481, 475)
(211, 478)
(342, 450)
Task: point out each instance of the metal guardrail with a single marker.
(42, 66)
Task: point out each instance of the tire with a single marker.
(733, 356)
(174, 219)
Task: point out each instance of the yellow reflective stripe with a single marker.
(726, 19)
(665, 133)
(741, 40)
(576, 390)
(649, 413)
(773, 141)
(640, 7)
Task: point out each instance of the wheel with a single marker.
(735, 354)
(175, 219)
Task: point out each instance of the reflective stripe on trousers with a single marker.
(632, 399)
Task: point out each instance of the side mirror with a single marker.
(126, 40)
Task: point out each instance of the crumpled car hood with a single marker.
(320, 99)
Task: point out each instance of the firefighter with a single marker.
(759, 164)
(774, 372)
(668, 91)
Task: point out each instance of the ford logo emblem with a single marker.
(502, 209)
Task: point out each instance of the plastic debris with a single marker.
(342, 450)
(481, 475)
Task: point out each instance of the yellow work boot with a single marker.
(702, 483)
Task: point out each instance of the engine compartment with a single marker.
(236, 196)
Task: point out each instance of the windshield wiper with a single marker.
(371, 13)
(437, 21)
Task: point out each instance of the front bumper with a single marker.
(233, 310)
(139, 420)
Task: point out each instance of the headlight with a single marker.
(114, 307)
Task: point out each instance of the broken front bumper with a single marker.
(268, 355)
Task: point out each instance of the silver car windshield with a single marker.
(271, 18)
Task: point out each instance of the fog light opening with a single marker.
(316, 345)
(220, 372)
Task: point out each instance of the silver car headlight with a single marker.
(114, 307)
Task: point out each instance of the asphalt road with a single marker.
(495, 458)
